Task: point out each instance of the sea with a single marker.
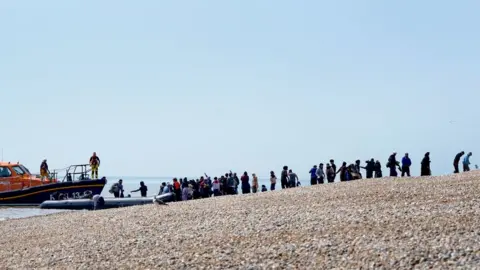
(129, 184)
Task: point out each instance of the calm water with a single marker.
(129, 184)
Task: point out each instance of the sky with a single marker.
(179, 88)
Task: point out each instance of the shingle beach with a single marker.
(431, 222)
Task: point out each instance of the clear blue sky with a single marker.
(174, 88)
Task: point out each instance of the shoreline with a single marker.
(390, 223)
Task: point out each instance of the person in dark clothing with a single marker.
(425, 168)
(378, 169)
(313, 175)
(406, 163)
(284, 177)
(143, 189)
(245, 183)
(456, 161)
(343, 172)
(392, 164)
(357, 170)
(330, 174)
(369, 168)
(334, 167)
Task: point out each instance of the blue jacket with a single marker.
(406, 162)
(466, 160)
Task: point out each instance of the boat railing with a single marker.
(76, 172)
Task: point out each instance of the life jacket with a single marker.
(176, 185)
(94, 160)
(114, 188)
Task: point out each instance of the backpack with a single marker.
(114, 188)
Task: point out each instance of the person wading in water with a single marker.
(94, 164)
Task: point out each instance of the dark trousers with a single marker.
(320, 180)
(405, 170)
(425, 171)
(393, 171)
(466, 168)
(369, 174)
(272, 186)
(284, 184)
(313, 181)
(455, 166)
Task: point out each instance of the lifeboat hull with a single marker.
(36, 195)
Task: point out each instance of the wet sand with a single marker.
(431, 222)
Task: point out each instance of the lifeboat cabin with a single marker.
(15, 176)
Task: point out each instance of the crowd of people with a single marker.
(229, 183)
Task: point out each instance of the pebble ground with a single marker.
(417, 223)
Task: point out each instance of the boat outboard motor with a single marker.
(163, 199)
(98, 202)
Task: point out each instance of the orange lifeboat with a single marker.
(15, 176)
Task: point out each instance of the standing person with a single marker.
(273, 180)
(143, 189)
(293, 178)
(406, 163)
(334, 167)
(466, 162)
(320, 174)
(425, 169)
(237, 182)
(44, 171)
(245, 183)
(369, 168)
(378, 169)
(254, 183)
(343, 172)
(456, 160)
(231, 184)
(284, 177)
(177, 189)
(330, 173)
(313, 175)
(94, 164)
(216, 187)
(392, 164)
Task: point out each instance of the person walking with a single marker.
(313, 175)
(254, 183)
(406, 163)
(466, 162)
(425, 165)
(392, 164)
(456, 160)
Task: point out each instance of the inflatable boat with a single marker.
(97, 202)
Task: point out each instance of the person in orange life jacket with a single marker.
(94, 164)
(177, 190)
(44, 172)
(406, 163)
(143, 189)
